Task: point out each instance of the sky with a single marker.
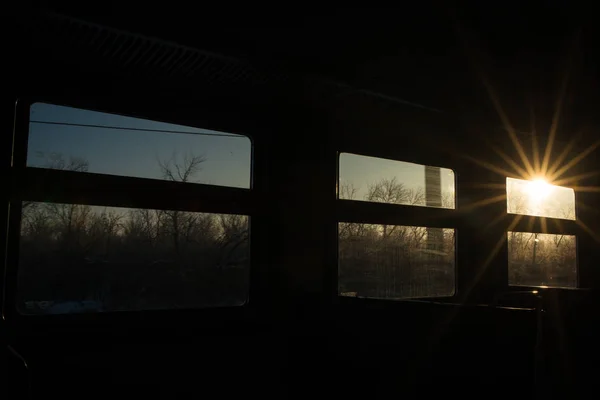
(362, 171)
(134, 153)
(227, 158)
(540, 199)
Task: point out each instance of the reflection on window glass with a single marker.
(536, 259)
(88, 141)
(539, 198)
(395, 262)
(77, 258)
(396, 182)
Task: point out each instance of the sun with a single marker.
(538, 189)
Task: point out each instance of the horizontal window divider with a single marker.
(396, 214)
(531, 224)
(59, 186)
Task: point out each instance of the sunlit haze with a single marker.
(539, 198)
(539, 189)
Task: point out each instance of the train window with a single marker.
(110, 241)
(539, 198)
(79, 258)
(395, 262)
(536, 259)
(88, 141)
(381, 180)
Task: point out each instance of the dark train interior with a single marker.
(287, 202)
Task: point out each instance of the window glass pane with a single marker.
(539, 198)
(77, 258)
(388, 181)
(88, 141)
(395, 262)
(540, 259)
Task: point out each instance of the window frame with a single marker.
(88, 188)
(522, 223)
(363, 212)
(482, 259)
(531, 143)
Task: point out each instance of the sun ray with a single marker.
(484, 202)
(498, 246)
(573, 179)
(558, 110)
(561, 157)
(521, 151)
(532, 127)
(554, 126)
(558, 223)
(511, 162)
(544, 225)
(584, 207)
(530, 223)
(499, 186)
(535, 151)
(488, 166)
(588, 230)
(507, 125)
(586, 189)
(495, 250)
(576, 160)
(495, 221)
(479, 274)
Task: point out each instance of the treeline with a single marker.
(122, 259)
(387, 261)
(126, 259)
(542, 260)
(391, 261)
(131, 259)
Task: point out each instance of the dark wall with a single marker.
(295, 337)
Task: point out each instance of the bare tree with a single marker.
(57, 161)
(70, 221)
(348, 191)
(516, 199)
(133, 258)
(145, 225)
(415, 197)
(76, 164)
(234, 234)
(448, 200)
(67, 219)
(391, 260)
(388, 191)
(35, 223)
(180, 170)
(105, 228)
